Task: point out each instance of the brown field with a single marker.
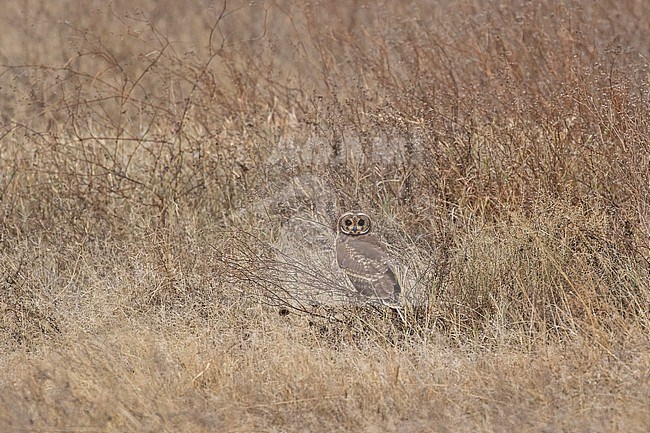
(170, 178)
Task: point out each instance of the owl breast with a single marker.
(365, 262)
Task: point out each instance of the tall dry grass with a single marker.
(170, 176)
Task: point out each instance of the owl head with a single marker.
(354, 223)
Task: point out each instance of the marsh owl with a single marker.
(363, 258)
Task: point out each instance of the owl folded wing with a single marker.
(365, 263)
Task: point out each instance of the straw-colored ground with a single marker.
(171, 174)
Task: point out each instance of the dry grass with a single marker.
(170, 176)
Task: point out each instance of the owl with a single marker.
(363, 258)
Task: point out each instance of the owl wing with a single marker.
(365, 262)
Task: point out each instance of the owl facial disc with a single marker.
(354, 223)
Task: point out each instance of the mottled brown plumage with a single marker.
(363, 258)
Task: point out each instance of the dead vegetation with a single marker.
(170, 177)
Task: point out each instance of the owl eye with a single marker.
(361, 223)
(348, 222)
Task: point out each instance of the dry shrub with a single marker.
(170, 178)
(558, 274)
